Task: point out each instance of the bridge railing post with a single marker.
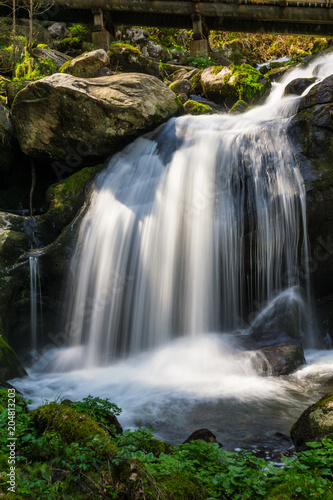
(100, 36)
(198, 45)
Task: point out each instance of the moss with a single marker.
(42, 46)
(195, 81)
(125, 46)
(10, 365)
(197, 108)
(239, 107)
(65, 66)
(247, 83)
(70, 44)
(72, 426)
(183, 487)
(315, 423)
(216, 69)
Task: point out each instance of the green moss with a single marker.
(115, 46)
(197, 108)
(246, 81)
(70, 44)
(9, 361)
(64, 67)
(216, 69)
(183, 487)
(239, 107)
(42, 46)
(72, 426)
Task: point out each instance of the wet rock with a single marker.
(61, 115)
(276, 74)
(198, 108)
(239, 107)
(12, 245)
(311, 132)
(315, 423)
(10, 365)
(87, 65)
(203, 434)
(298, 86)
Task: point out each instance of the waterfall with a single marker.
(190, 229)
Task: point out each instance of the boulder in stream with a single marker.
(315, 423)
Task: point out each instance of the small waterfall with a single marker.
(191, 229)
(36, 308)
(35, 299)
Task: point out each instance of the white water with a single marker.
(166, 221)
(35, 299)
(191, 229)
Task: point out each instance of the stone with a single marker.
(58, 31)
(180, 87)
(128, 59)
(13, 88)
(87, 65)
(155, 51)
(203, 434)
(10, 153)
(276, 74)
(136, 35)
(315, 423)
(104, 72)
(198, 108)
(311, 133)
(239, 107)
(10, 364)
(58, 58)
(71, 119)
(12, 245)
(215, 85)
(298, 86)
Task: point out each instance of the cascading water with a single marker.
(194, 230)
(188, 228)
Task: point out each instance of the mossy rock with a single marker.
(13, 88)
(315, 423)
(12, 245)
(197, 108)
(72, 426)
(64, 200)
(239, 107)
(18, 399)
(10, 365)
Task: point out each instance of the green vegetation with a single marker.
(29, 68)
(64, 451)
(79, 35)
(201, 62)
(115, 46)
(246, 80)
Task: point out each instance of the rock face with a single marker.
(87, 65)
(298, 86)
(315, 423)
(10, 365)
(9, 148)
(58, 31)
(311, 132)
(62, 114)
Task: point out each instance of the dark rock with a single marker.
(10, 365)
(298, 86)
(276, 74)
(182, 86)
(315, 423)
(203, 434)
(103, 72)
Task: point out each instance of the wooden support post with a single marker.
(100, 36)
(198, 45)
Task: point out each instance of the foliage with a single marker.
(139, 465)
(201, 62)
(79, 34)
(29, 68)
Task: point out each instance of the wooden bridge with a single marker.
(311, 17)
(274, 16)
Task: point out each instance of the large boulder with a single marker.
(58, 31)
(62, 114)
(315, 423)
(58, 58)
(9, 147)
(87, 65)
(226, 85)
(311, 132)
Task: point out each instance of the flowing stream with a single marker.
(192, 231)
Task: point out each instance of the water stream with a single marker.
(191, 232)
